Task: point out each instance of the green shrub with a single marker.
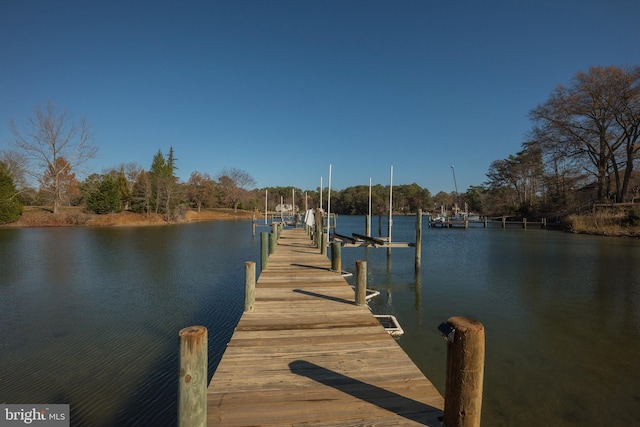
(10, 205)
(106, 198)
(633, 217)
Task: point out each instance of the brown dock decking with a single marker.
(308, 355)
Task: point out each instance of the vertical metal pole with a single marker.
(418, 239)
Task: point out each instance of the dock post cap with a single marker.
(192, 331)
(460, 322)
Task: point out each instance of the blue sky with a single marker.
(282, 89)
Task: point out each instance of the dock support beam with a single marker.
(465, 373)
(361, 284)
(192, 377)
(249, 286)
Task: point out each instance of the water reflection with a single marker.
(90, 316)
(560, 310)
(93, 320)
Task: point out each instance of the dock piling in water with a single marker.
(192, 377)
(465, 373)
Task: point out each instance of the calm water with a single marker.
(90, 316)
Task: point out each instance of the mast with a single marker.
(391, 204)
(369, 216)
(329, 205)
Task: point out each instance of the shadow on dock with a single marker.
(328, 297)
(385, 399)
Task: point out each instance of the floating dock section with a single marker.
(307, 355)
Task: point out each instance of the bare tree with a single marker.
(234, 184)
(47, 136)
(200, 189)
(595, 124)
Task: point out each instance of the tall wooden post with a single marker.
(465, 373)
(336, 257)
(264, 250)
(319, 230)
(361, 282)
(253, 226)
(418, 239)
(192, 377)
(273, 241)
(323, 243)
(249, 286)
(367, 226)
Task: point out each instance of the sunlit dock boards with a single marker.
(309, 355)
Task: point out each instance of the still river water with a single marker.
(90, 316)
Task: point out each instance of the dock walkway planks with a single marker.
(308, 355)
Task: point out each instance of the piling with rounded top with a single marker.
(465, 373)
(192, 377)
(361, 283)
(249, 285)
(336, 256)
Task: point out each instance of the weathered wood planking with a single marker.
(308, 355)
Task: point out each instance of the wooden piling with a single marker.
(323, 243)
(361, 282)
(524, 223)
(253, 226)
(273, 241)
(465, 373)
(192, 377)
(418, 261)
(319, 232)
(336, 257)
(264, 250)
(249, 286)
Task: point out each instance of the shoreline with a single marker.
(38, 216)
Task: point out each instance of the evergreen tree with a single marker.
(123, 189)
(107, 197)
(10, 205)
(141, 193)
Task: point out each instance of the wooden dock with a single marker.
(308, 355)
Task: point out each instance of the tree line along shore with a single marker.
(580, 152)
